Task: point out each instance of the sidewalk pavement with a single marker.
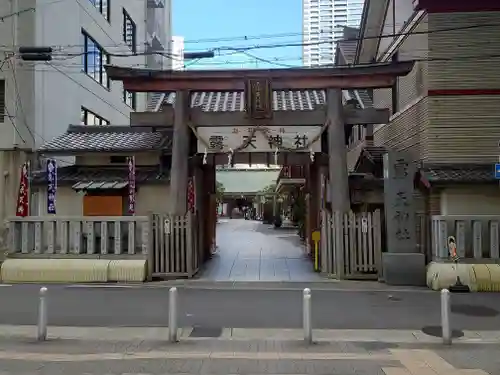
(395, 336)
(141, 351)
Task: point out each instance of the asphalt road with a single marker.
(247, 308)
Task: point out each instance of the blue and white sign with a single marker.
(51, 186)
(497, 171)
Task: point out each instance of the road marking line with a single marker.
(52, 357)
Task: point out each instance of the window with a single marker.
(129, 31)
(102, 7)
(130, 99)
(2, 100)
(90, 118)
(94, 60)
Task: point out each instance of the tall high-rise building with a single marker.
(322, 25)
(178, 53)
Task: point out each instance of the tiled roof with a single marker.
(365, 98)
(72, 174)
(80, 138)
(349, 43)
(471, 173)
(348, 50)
(234, 101)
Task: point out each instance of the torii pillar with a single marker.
(337, 152)
(179, 172)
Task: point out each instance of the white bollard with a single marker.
(42, 315)
(445, 316)
(172, 314)
(306, 316)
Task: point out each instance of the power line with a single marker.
(279, 62)
(325, 41)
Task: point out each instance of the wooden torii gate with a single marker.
(258, 87)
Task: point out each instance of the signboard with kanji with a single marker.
(131, 185)
(51, 186)
(225, 139)
(22, 207)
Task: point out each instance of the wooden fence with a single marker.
(169, 243)
(477, 237)
(175, 246)
(351, 245)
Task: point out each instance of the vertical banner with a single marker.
(51, 186)
(191, 195)
(22, 208)
(131, 185)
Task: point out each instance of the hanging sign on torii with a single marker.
(225, 139)
(258, 99)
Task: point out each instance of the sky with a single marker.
(232, 20)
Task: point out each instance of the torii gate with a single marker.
(258, 86)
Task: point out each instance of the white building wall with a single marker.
(323, 22)
(477, 200)
(178, 53)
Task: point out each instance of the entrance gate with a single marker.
(260, 102)
(356, 242)
(175, 246)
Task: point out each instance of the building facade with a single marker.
(445, 113)
(323, 23)
(178, 53)
(38, 100)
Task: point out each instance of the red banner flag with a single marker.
(23, 195)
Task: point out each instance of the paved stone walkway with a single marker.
(77, 357)
(251, 251)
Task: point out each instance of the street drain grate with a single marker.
(474, 310)
(436, 331)
(199, 331)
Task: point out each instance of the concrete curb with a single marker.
(243, 334)
(257, 285)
